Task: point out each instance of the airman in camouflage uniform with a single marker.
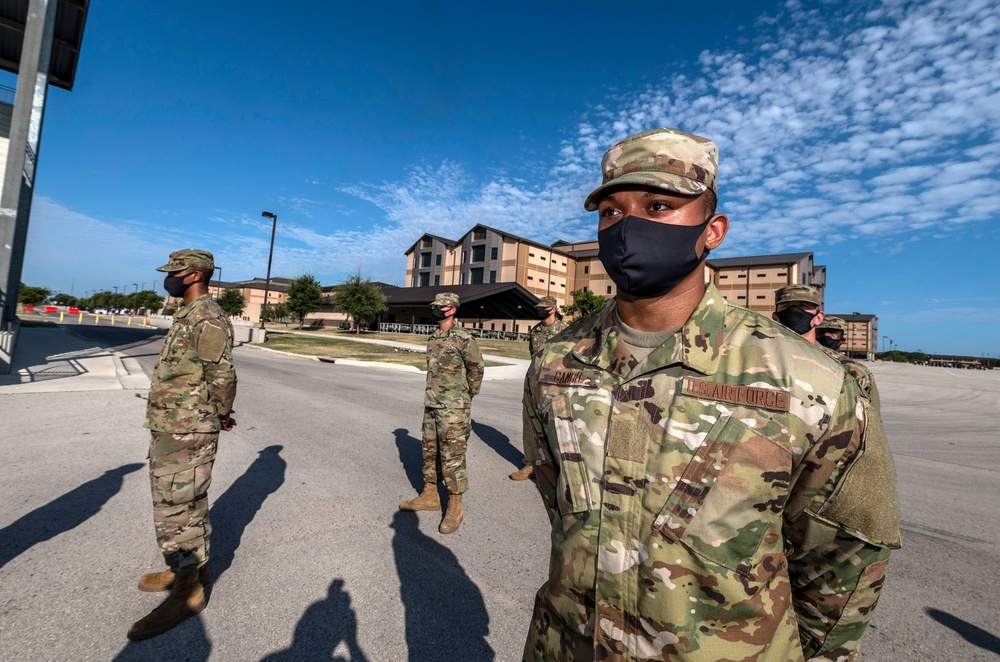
(800, 308)
(830, 335)
(718, 489)
(190, 401)
(550, 325)
(454, 376)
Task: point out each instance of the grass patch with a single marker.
(515, 349)
(321, 346)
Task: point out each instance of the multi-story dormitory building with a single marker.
(485, 255)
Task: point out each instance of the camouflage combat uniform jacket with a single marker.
(194, 382)
(730, 497)
(541, 333)
(862, 376)
(454, 369)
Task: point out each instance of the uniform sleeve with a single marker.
(473, 366)
(841, 523)
(213, 344)
(546, 471)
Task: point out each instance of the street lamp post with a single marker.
(270, 254)
(136, 288)
(884, 338)
(116, 288)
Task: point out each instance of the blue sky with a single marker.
(866, 132)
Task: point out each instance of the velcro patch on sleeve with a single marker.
(751, 396)
(211, 342)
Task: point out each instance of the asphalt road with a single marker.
(313, 560)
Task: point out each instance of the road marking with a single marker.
(939, 533)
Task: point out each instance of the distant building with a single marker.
(861, 336)
(253, 293)
(752, 281)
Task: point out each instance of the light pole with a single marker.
(116, 288)
(270, 254)
(884, 338)
(143, 286)
(136, 288)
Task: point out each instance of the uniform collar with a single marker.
(186, 309)
(695, 346)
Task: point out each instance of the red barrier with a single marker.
(73, 310)
(51, 309)
(29, 309)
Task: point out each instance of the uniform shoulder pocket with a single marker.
(211, 341)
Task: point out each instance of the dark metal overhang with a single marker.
(71, 16)
(487, 301)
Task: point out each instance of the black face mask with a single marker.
(830, 342)
(438, 314)
(543, 313)
(645, 258)
(175, 286)
(796, 319)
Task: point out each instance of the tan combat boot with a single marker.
(154, 582)
(453, 517)
(524, 473)
(185, 600)
(428, 500)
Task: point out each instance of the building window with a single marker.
(437, 279)
(742, 276)
(761, 275)
(741, 297)
(564, 286)
(552, 282)
(494, 253)
(465, 256)
(531, 255)
(426, 242)
(425, 280)
(503, 327)
(479, 234)
(478, 253)
(477, 276)
(723, 277)
(609, 289)
(493, 326)
(425, 260)
(461, 278)
(584, 288)
(531, 278)
(782, 273)
(437, 260)
(493, 276)
(564, 264)
(586, 269)
(761, 296)
(414, 283)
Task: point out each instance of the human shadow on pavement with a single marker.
(187, 642)
(61, 514)
(445, 615)
(973, 634)
(411, 457)
(499, 442)
(325, 627)
(235, 509)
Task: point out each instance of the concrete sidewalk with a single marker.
(512, 368)
(52, 360)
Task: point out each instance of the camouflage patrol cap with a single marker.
(189, 258)
(445, 299)
(832, 323)
(802, 293)
(546, 302)
(664, 158)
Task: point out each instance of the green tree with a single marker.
(275, 312)
(305, 295)
(584, 303)
(63, 299)
(361, 299)
(232, 302)
(33, 296)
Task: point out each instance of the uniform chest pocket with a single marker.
(729, 495)
(576, 420)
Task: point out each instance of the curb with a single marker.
(341, 361)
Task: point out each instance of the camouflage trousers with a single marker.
(180, 472)
(445, 437)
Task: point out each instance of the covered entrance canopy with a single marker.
(496, 301)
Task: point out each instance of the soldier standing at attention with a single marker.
(190, 401)
(830, 335)
(800, 308)
(550, 325)
(718, 489)
(454, 375)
